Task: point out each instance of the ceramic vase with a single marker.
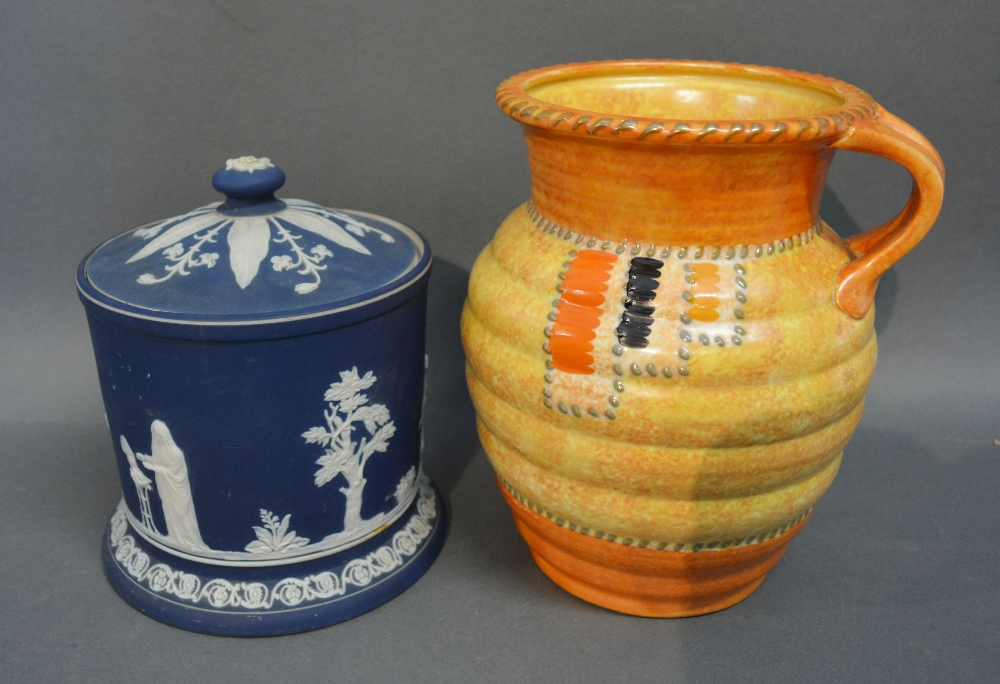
(668, 349)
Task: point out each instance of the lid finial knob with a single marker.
(249, 184)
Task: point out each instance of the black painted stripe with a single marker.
(637, 321)
(633, 329)
(638, 308)
(634, 342)
(640, 295)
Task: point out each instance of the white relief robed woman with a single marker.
(170, 468)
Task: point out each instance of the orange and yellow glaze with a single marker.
(674, 470)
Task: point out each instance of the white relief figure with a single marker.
(170, 470)
(290, 591)
(275, 537)
(344, 456)
(275, 542)
(142, 486)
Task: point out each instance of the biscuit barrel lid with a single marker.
(254, 264)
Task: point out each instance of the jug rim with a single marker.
(514, 98)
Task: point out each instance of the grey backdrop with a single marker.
(113, 114)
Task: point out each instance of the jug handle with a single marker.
(876, 250)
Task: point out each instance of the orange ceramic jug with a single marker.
(667, 347)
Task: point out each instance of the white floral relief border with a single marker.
(290, 591)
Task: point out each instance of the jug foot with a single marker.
(642, 581)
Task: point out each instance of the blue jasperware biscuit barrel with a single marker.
(262, 366)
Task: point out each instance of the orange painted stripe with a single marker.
(583, 298)
(566, 343)
(571, 356)
(703, 314)
(593, 256)
(590, 281)
(704, 278)
(592, 265)
(701, 289)
(574, 314)
(579, 314)
(706, 300)
(575, 332)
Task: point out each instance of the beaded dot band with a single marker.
(690, 547)
(694, 253)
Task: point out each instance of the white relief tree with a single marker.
(345, 456)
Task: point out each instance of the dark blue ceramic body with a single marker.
(266, 421)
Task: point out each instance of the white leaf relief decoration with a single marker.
(406, 485)
(182, 260)
(324, 228)
(248, 244)
(250, 239)
(151, 230)
(350, 223)
(300, 261)
(184, 229)
(274, 536)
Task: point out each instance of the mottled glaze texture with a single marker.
(667, 348)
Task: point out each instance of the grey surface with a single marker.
(113, 114)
